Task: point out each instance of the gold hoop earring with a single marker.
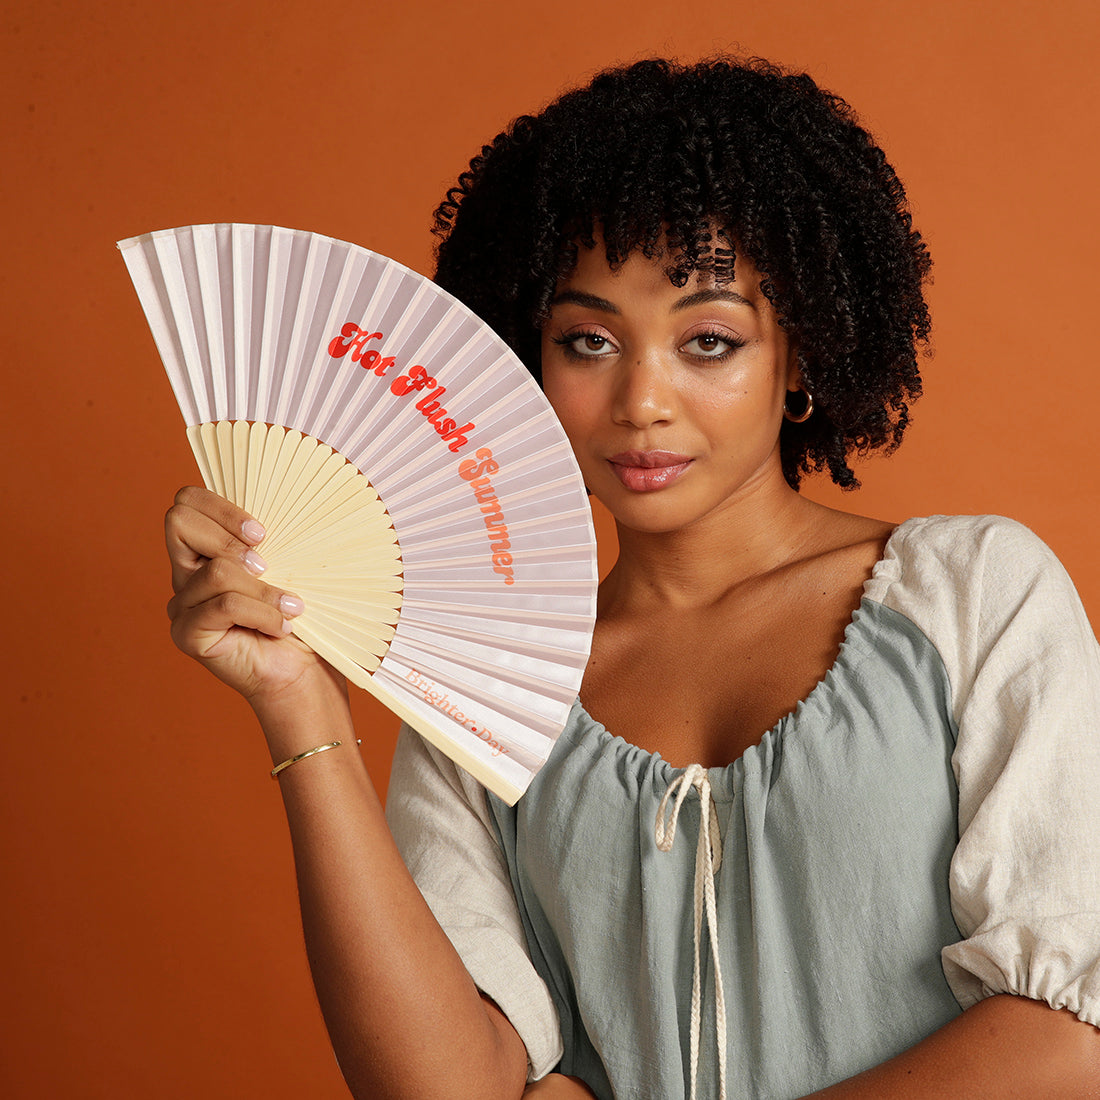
(807, 412)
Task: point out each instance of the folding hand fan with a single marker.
(417, 489)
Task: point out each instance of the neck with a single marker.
(769, 526)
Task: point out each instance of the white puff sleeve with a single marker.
(1025, 672)
(441, 821)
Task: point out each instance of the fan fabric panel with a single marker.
(421, 494)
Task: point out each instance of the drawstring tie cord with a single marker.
(708, 859)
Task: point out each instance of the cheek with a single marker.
(577, 418)
(568, 398)
(721, 403)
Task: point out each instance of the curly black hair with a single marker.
(655, 156)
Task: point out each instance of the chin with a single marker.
(648, 515)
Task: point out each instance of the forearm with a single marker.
(1003, 1048)
(404, 1016)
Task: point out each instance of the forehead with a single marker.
(653, 276)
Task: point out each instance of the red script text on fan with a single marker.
(477, 474)
(354, 339)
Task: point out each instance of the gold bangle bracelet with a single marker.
(309, 752)
(302, 755)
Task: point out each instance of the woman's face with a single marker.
(672, 397)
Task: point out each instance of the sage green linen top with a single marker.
(918, 834)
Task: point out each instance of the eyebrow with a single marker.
(712, 294)
(698, 298)
(589, 301)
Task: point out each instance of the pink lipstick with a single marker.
(646, 471)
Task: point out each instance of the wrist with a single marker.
(317, 685)
(309, 711)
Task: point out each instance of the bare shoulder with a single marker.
(844, 537)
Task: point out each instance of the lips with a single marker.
(646, 471)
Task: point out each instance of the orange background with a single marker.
(150, 930)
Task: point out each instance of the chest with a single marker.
(702, 685)
(837, 840)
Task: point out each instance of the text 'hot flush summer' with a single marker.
(415, 380)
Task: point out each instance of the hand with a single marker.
(556, 1086)
(223, 614)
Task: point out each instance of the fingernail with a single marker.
(291, 605)
(253, 530)
(288, 626)
(254, 563)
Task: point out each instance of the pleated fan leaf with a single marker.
(417, 489)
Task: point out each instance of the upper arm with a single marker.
(441, 821)
(1025, 672)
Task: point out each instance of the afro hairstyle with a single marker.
(690, 163)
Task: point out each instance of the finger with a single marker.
(224, 512)
(193, 534)
(200, 631)
(221, 576)
(193, 539)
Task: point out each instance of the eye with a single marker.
(585, 345)
(712, 345)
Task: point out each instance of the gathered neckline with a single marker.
(722, 775)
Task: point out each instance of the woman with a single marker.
(713, 272)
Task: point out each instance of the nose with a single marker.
(644, 394)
